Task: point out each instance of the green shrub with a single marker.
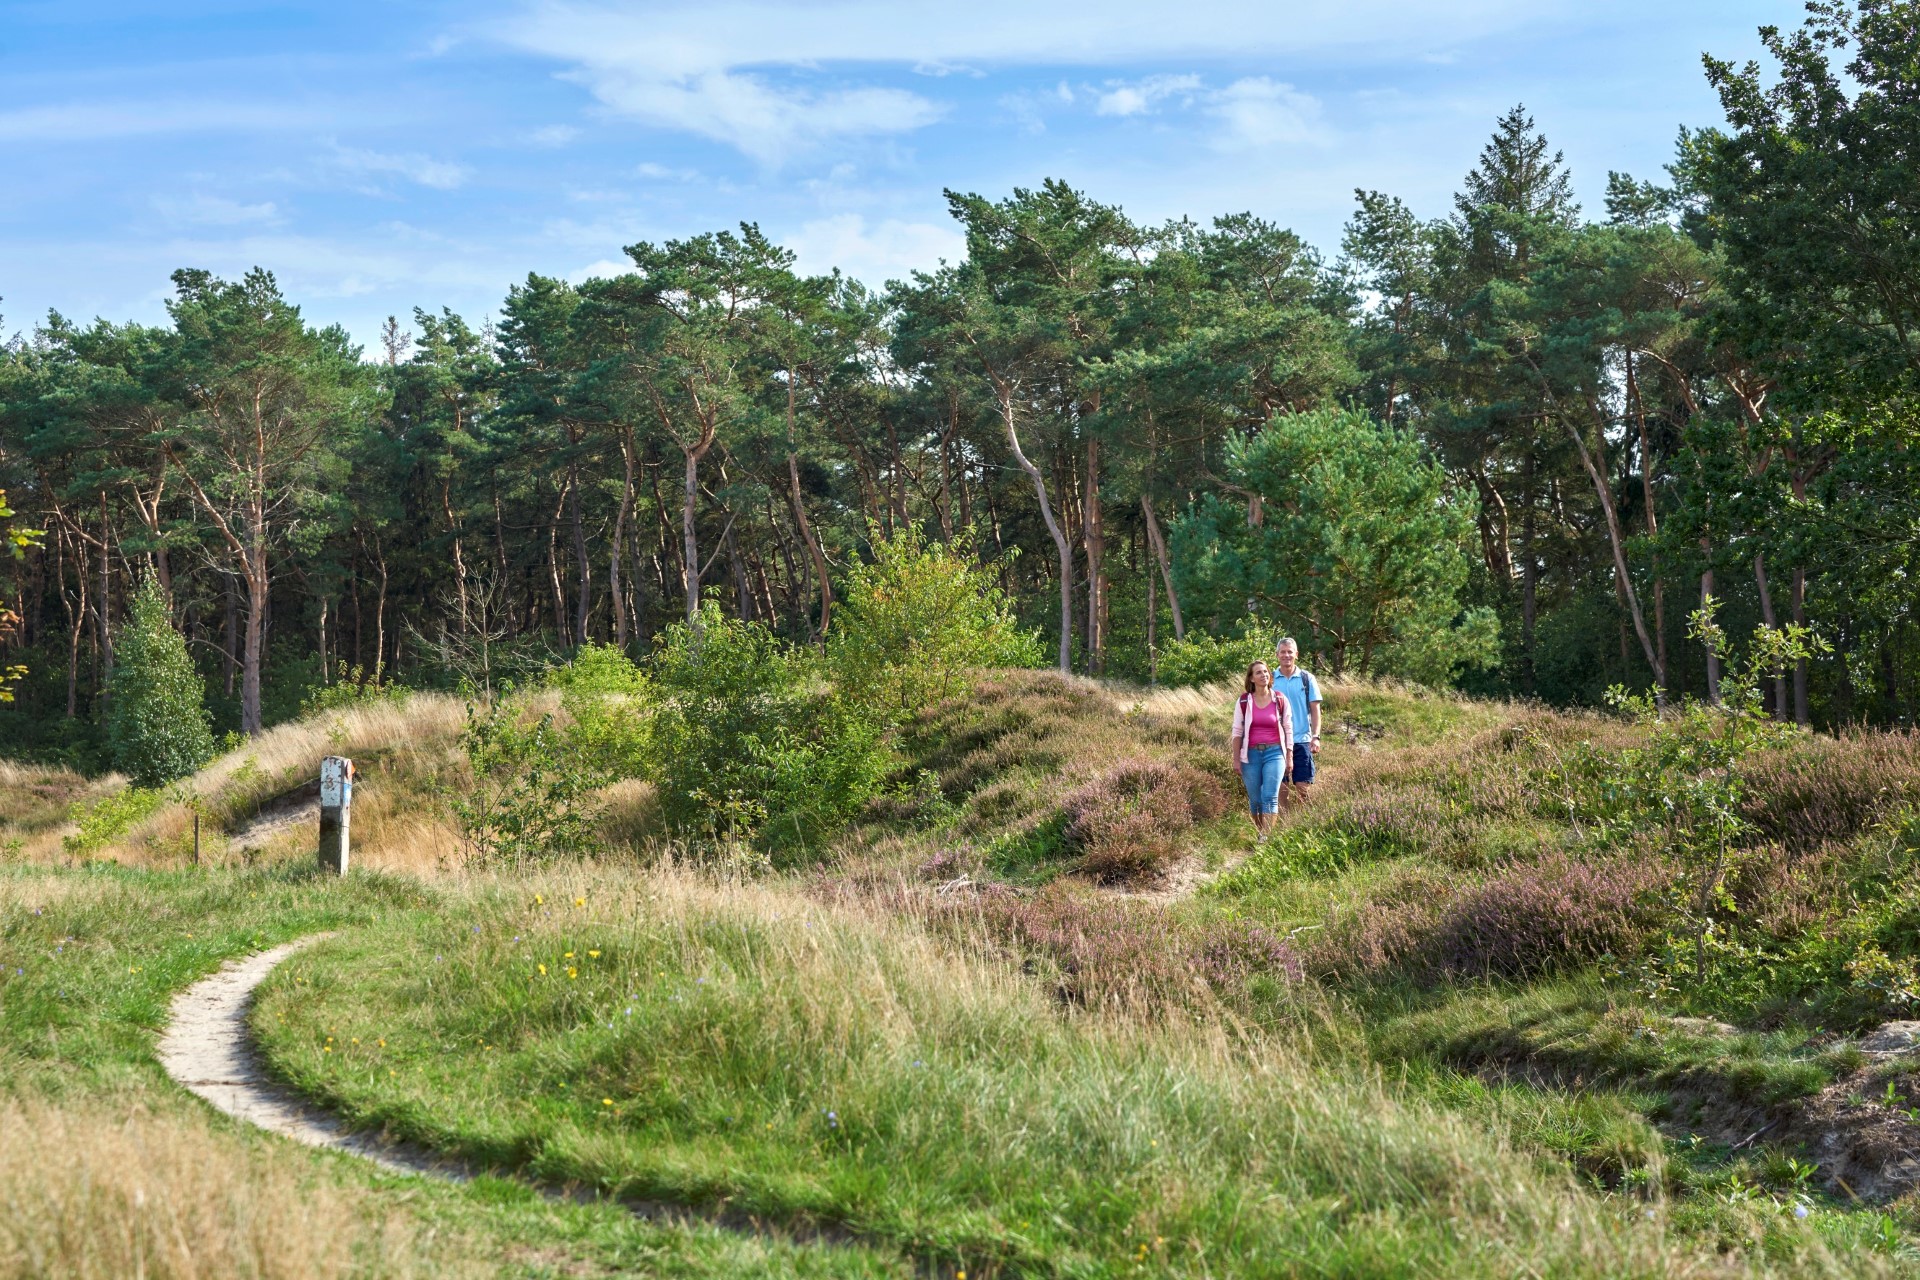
(1200, 659)
(606, 699)
(917, 622)
(102, 820)
(355, 687)
(533, 798)
(157, 725)
(749, 743)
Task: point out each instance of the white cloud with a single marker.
(891, 249)
(682, 38)
(92, 121)
(771, 123)
(1140, 96)
(428, 172)
(603, 269)
(200, 209)
(553, 135)
(661, 172)
(770, 77)
(1260, 112)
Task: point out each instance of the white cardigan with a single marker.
(1240, 717)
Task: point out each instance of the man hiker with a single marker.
(1302, 693)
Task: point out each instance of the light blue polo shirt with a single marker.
(1298, 689)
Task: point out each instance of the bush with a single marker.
(532, 797)
(1824, 790)
(102, 821)
(1559, 910)
(917, 622)
(157, 725)
(1526, 919)
(606, 700)
(748, 742)
(356, 687)
(1129, 956)
(1128, 822)
(1200, 659)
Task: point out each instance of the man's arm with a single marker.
(1313, 719)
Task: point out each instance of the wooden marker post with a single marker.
(336, 802)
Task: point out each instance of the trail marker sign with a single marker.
(336, 803)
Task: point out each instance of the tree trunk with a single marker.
(1153, 632)
(76, 620)
(459, 559)
(1652, 515)
(615, 596)
(254, 569)
(1094, 538)
(1529, 585)
(583, 567)
(231, 650)
(1060, 543)
(380, 615)
(946, 465)
(814, 553)
(104, 604)
(690, 544)
(1768, 616)
(1713, 658)
(1802, 714)
(1159, 544)
(1616, 541)
(743, 603)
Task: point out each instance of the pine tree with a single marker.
(157, 725)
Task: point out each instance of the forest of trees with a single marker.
(1507, 445)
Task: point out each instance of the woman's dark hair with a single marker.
(1257, 662)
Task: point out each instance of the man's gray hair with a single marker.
(1284, 641)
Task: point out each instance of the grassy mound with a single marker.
(812, 1063)
(1045, 1009)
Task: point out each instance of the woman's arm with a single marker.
(1287, 739)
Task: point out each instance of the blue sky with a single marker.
(379, 157)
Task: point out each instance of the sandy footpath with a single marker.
(207, 1049)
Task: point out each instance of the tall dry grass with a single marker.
(740, 1042)
(35, 801)
(87, 1196)
(408, 755)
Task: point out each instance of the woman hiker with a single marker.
(1262, 746)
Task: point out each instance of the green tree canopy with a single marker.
(1360, 547)
(157, 722)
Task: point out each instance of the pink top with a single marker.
(1263, 723)
(1242, 705)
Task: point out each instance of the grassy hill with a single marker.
(1043, 1010)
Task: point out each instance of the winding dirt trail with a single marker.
(207, 1049)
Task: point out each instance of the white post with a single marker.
(336, 802)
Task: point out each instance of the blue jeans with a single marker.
(1261, 774)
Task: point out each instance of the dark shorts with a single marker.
(1302, 764)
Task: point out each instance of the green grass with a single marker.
(90, 959)
(753, 1047)
(1013, 1090)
